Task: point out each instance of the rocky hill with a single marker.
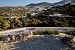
(42, 3)
(51, 4)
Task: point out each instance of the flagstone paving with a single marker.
(47, 42)
(41, 43)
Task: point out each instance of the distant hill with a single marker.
(64, 1)
(61, 2)
(42, 3)
(73, 1)
(51, 4)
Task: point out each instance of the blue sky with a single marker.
(23, 2)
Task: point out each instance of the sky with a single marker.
(23, 2)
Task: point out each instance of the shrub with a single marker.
(49, 32)
(71, 33)
(0, 36)
(56, 32)
(38, 33)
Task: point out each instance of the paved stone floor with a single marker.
(41, 43)
(46, 42)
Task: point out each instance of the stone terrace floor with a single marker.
(46, 42)
(41, 43)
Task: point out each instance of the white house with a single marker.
(24, 16)
(56, 15)
(33, 14)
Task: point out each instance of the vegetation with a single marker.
(67, 9)
(0, 36)
(71, 33)
(49, 32)
(40, 20)
(14, 11)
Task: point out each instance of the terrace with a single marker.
(41, 42)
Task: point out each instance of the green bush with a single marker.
(71, 33)
(49, 32)
(0, 36)
(38, 33)
(56, 32)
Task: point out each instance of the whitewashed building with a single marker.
(24, 16)
(33, 14)
(56, 15)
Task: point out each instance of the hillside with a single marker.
(51, 4)
(42, 3)
(23, 10)
(66, 10)
(41, 19)
(13, 11)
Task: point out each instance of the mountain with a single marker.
(51, 4)
(73, 1)
(64, 1)
(42, 3)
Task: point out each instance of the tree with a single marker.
(28, 15)
(69, 3)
